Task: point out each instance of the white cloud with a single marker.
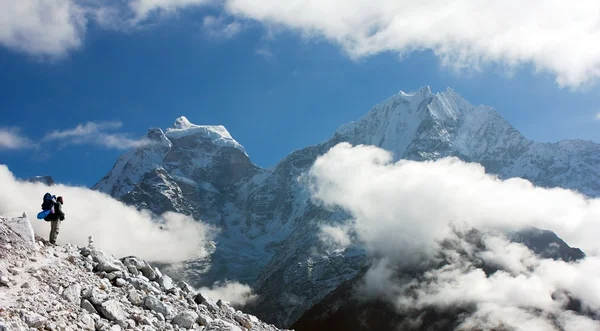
(552, 35)
(143, 8)
(412, 202)
(403, 211)
(42, 27)
(335, 237)
(232, 292)
(598, 116)
(217, 27)
(116, 228)
(549, 35)
(10, 139)
(94, 133)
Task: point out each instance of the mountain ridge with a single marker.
(270, 225)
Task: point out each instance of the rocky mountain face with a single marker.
(343, 309)
(47, 287)
(269, 226)
(47, 180)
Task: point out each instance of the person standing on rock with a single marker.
(55, 219)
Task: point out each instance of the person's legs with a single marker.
(54, 226)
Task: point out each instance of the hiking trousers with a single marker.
(54, 226)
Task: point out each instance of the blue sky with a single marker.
(272, 84)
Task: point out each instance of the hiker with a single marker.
(55, 218)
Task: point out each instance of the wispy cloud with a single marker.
(95, 133)
(265, 52)
(598, 116)
(11, 139)
(143, 8)
(219, 28)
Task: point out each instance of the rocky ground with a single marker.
(47, 287)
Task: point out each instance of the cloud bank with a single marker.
(550, 35)
(404, 211)
(118, 229)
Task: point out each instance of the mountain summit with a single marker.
(269, 225)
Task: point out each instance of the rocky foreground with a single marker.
(47, 287)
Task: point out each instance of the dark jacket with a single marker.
(58, 213)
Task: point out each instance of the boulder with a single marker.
(113, 310)
(73, 293)
(185, 287)
(143, 285)
(108, 265)
(34, 320)
(200, 298)
(87, 322)
(204, 319)
(85, 304)
(166, 283)
(140, 265)
(134, 297)
(157, 306)
(22, 227)
(186, 319)
(243, 320)
(95, 296)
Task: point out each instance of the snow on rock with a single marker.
(269, 223)
(54, 288)
(216, 133)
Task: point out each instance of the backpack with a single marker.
(48, 203)
(47, 206)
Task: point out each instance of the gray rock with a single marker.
(34, 320)
(22, 227)
(107, 263)
(85, 304)
(134, 297)
(133, 270)
(143, 285)
(87, 322)
(105, 284)
(113, 310)
(185, 287)
(186, 319)
(140, 265)
(158, 306)
(200, 298)
(159, 274)
(243, 320)
(166, 283)
(84, 251)
(4, 280)
(120, 282)
(95, 296)
(73, 293)
(204, 319)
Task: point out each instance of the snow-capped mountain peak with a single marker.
(269, 212)
(182, 123)
(217, 134)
